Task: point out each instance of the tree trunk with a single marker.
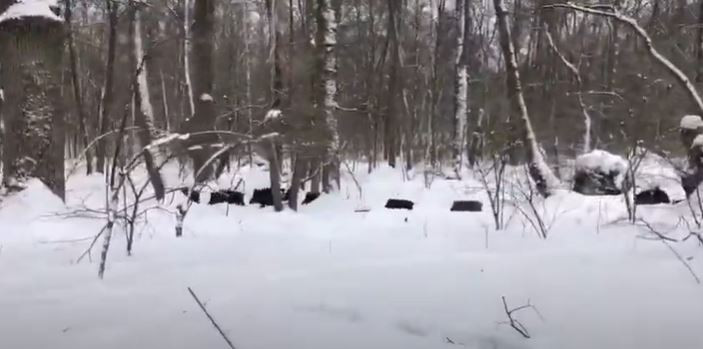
(316, 175)
(541, 174)
(275, 178)
(699, 44)
(203, 78)
(106, 102)
(326, 42)
(461, 84)
(299, 171)
(613, 53)
(143, 109)
(186, 58)
(247, 79)
(391, 122)
(277, 95)
(34, 131)
(77, 95)
(587, 120)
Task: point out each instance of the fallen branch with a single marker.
(87, 251)
(214, 323)
(659, 235)
(514, 323)
(667, 242)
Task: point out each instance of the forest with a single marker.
(519, 174)
(414, 83)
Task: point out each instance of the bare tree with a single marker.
(699, 42)
(107, 93)
(579, 94)
(461, 83)
(391, 121)
(186, 56)
(274, 114)
(75, 81)
(544, 178)
(203, 118)
(326, 43)
(143, 109)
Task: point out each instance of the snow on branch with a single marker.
(31, 8)
(691, 122)
(613, 13)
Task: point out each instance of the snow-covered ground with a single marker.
(329, 277)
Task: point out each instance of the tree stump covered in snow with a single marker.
(600, 173)
(31, 50)
(691, 133)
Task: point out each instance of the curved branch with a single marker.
(679, 75)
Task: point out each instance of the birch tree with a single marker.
(274, 114)
(326, 42)
(186, 56)
(204, 116)
(391, 124)
(143, 109)
(542, 175)
(699, 43)
(461, 83)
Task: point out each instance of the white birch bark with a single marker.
(328, 41)
(186, 56)
(145, 106)
(247, 81)
(461, 88)
(143, 112)
(541, 173)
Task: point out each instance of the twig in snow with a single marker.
(351, 174)
(214, 323)
(514, 323)
(659, 235)
(90, 248)
(666, 241)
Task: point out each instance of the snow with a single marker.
(657, 172)
(273, 114)
(327, 277)
(31, 8)
(697, 142)
(691, 122)
(602, 161)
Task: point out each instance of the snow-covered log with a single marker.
(691, 134)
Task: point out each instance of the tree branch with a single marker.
(613, 13)
(214, 323)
